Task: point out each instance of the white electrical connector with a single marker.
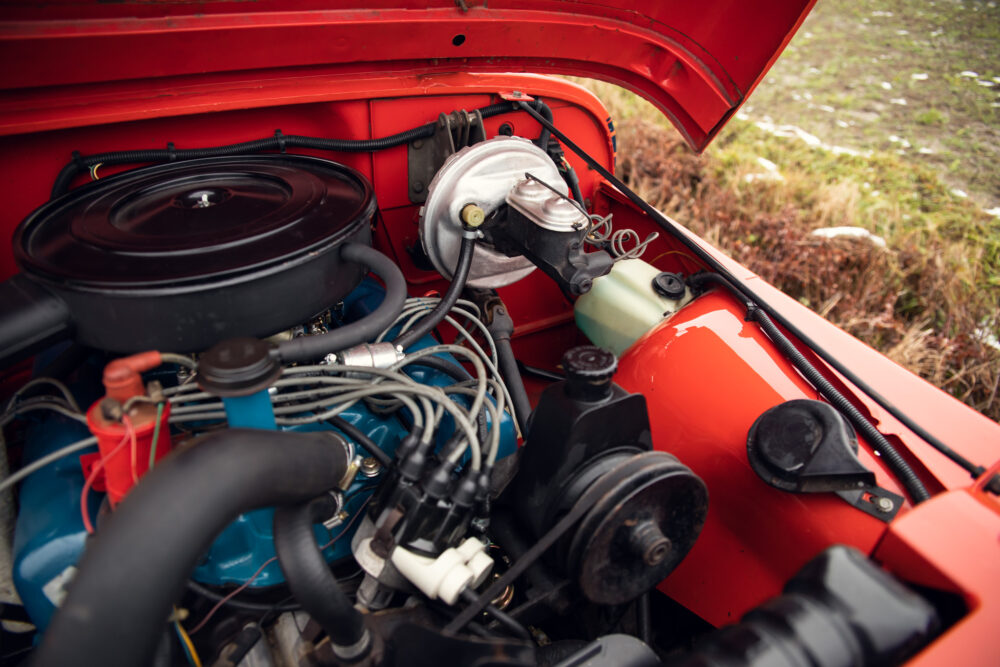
(446, 576)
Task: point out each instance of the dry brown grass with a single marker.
(921, 300)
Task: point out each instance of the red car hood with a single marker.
(695, 61)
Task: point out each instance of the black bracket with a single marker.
(874, 500)
(452, 133)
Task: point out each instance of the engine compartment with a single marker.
(632, 476)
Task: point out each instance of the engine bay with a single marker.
(437, 391)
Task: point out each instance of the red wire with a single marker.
(98, 466)
(242, 587)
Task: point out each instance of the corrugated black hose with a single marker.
(907, 477)
(745, 291)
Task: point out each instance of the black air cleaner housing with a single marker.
(179, 256)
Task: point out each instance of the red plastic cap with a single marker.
(121, 377)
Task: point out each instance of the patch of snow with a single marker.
(919, 76)
(813, 70)
(902, 32)
(807, 35)
(988, 337)
(843, 150)
(827, 108)
(898, 100)
(969, 74)
(849, 232)
(985, 83)
(996, 79)
(923, 150)
(879, 12)
(742, 115)
(995, 211)
(841, 123)
(894, 139)
(796, 97)
(886, 85)
(938, 32)
(766, 176)
(961, 194)
(767, 164)
(793, 132)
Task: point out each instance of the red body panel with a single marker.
(696, 62)
(106, 76)
(707, 375)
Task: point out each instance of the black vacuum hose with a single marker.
(136, 567)
(311, 348)
(278, 142)
(895, 462)
(426, 324)
(313, 584)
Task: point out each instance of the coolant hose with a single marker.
(426, 324)
(311, 348)
(907, 477)
(136, 567)
(313, 585)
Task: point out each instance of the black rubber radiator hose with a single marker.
(313, 584)
(136, 567)
(310, 348)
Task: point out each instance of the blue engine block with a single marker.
(49, 535)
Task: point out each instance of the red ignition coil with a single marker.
(125, 438)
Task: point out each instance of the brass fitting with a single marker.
(472, 215)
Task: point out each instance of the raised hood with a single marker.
(696, 61)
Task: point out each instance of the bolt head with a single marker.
(370, 467)
(884, 505)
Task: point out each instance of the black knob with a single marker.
(589, 370)
(237, 367)
(670, 285)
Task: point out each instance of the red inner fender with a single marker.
(707, 374)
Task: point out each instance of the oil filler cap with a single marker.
(806, 446)
(237, 367)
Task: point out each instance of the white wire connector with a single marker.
(445, 577)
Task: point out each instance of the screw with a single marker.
(418, 186)
(418, 144)
(884, 505)
(472, 215)
(370, 467)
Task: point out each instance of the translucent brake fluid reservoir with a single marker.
(628, 302)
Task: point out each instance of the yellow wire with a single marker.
(187, 642)
(93, 171)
